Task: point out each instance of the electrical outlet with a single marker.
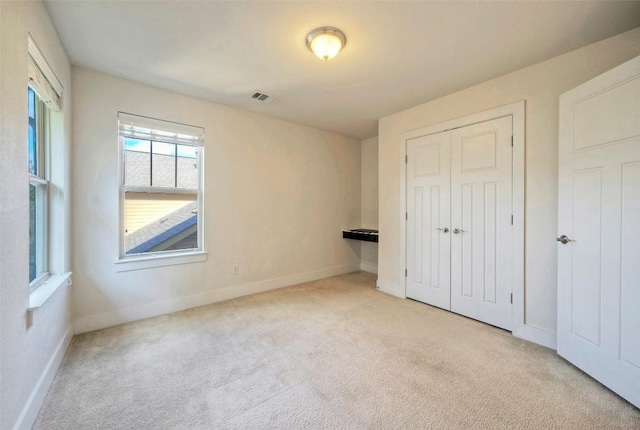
(236, 269)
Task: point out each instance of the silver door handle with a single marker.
(444, 230)
(564, 239)
(458, 231)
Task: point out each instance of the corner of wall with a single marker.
(369, 201)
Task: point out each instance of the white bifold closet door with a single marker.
(459, 231)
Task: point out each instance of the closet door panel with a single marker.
(481, 169)
(428, 208)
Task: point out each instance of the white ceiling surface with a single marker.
(398, 54)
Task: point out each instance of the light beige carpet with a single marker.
(333, 353)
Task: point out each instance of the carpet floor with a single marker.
(334, 353)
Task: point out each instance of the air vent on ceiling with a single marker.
(263, 98)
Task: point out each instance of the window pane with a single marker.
(33, 133)
(160, 164)
(164, 148)
(160, 222)
(163, 168)
(36, 230)
(188, 170)
(137, 163)
(137, 145)
(33, 271)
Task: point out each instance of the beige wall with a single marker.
(540, 86)
(369, 199)
(277, 196)
(27, 346)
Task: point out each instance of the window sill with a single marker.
(149, 261)
(45, 290)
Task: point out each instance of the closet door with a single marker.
(428, 205)
(481, 230)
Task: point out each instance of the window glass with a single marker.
(157, 222)
(188, 169)
(33, 133)
(33, 233)
(163, 164)
(137, 162)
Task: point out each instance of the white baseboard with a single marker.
(537, 335)
(369, 267)
(30, 411)
(88, 323)
(389, 288)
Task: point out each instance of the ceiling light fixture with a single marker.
(326, 42)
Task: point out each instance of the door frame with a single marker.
(517, 112)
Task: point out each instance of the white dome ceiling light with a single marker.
(326, 42)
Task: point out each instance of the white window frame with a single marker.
(159, 258)
(44, 82)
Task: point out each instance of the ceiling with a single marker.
(398, 54)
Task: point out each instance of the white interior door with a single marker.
(599, 215)
(481, 222)
(428, 191)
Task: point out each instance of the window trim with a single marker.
(159, 258)
(48, 286)
(148, 261)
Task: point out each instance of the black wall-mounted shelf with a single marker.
(364, 234)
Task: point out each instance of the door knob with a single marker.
(564, 239)
(444, 230)
(458, 231)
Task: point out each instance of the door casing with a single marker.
(517, 111)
